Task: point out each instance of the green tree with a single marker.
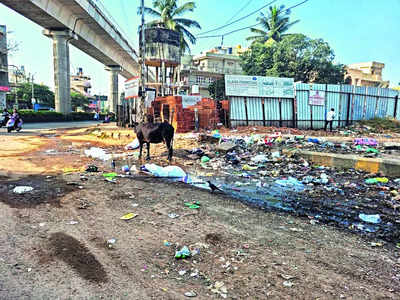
(169, 15)
(42, 93)
(78, 100)
(217, 89)
(295, 56)
(274, 25)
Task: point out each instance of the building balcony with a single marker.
(221, 70)
(3, 69)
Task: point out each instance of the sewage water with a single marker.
(293, 197)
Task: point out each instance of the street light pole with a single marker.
(142, 70)
(33, 101)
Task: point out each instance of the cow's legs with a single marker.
(169, 147)
(140, 149)
(148, 151)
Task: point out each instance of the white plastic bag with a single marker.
(132, 145)
(99, 153)
(22, 189)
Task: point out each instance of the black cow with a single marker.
(154, 133)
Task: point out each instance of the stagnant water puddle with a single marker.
(350, 210)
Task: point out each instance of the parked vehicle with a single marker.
(5, 116)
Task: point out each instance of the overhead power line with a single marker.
(238, 20)
(247, 27)
(240, 10)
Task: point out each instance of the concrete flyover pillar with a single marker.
(113, 93)
(62, 91)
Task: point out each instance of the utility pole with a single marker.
(141, 110)
(16, 91)
(33, 92)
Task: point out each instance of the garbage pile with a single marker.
(366, 147)
(254, 170)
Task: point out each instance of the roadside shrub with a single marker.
(380, 124)
(31, 116)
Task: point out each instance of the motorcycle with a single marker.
(3, 120)
(14, 123)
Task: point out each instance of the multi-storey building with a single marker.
(201, 70)
(4, 86)
(366, 74)
(80, 83)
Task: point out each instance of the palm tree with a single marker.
(168, 15)
(275, 24)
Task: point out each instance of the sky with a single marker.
(357, 31)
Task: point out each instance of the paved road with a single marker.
(57, 125)
(35, 128)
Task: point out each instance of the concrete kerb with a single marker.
(387, 167)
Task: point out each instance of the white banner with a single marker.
(259, 86)
(190, 100)
(131, 88)
(316, 98)
(150, 97)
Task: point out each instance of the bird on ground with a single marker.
(213, 187)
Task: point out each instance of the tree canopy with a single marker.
(274, 25)
(42, 93)
(78, 100)
(295, 56)
(217, 89)
(169, 15)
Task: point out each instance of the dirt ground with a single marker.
(53, 240)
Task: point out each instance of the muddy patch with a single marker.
(45, 190)
(78, 256)
(213, 238)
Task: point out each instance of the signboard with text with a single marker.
(190, 100)
(132, 88)
(259, 86)
(316, 98)
(4, 88)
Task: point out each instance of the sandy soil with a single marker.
(53, 240)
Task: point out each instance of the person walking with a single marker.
(330, 116)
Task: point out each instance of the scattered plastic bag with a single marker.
(376, 180)
(312, 140)
(169, 171)
(197, 182)
(291, 183)
(133, 145)
(195, 205)
(111, 175)
(375, 219)
(249, 168)
(111, 242)
(205, 159)
(22, 189)
(324, 178)
(215, 133)
(276, 154)
(190, 294)
(372, 150)
(92, 168)
(128, 216)
(261, 158)
(125, 168)
(366, 141)
(183, 253)
(98, 153)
